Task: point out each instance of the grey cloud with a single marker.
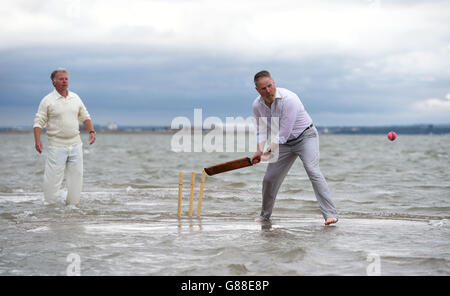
(146, 84)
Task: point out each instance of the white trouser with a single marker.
(64, 161)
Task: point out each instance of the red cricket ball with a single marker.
(392, 136)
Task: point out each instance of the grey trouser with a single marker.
(306, 146)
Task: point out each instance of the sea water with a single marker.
(393, 200)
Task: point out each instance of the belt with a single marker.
(310, 126)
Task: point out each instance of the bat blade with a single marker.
(228, 166)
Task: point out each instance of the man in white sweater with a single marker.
(60, 112)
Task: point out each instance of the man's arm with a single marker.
(257, 156)
(261, 139)
(40, 121)
(90, 127)
(287, 119)
(261, 130)
(37, 139)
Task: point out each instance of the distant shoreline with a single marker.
(346, 130)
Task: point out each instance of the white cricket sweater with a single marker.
(61, 117)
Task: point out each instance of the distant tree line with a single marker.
(405, 130)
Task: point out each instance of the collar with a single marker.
(277, 94)
(59, 96)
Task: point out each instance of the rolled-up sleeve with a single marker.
(41, 118)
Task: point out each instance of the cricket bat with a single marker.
(228, 166)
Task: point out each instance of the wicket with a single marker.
(180, 190)
(191, 198)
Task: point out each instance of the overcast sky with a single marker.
(361, 62)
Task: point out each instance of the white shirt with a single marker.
(286, 111)
(61, 116)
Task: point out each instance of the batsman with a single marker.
(296, 137)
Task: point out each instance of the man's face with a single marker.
(61, 81)
(266, 88)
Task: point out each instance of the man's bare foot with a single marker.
(331, 221)
(261, 219)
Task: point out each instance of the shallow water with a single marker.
(393, 199)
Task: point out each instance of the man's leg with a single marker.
(308, 150)
(74, 176)
(54, 172)
(275, 174)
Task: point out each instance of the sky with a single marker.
(351, 62)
